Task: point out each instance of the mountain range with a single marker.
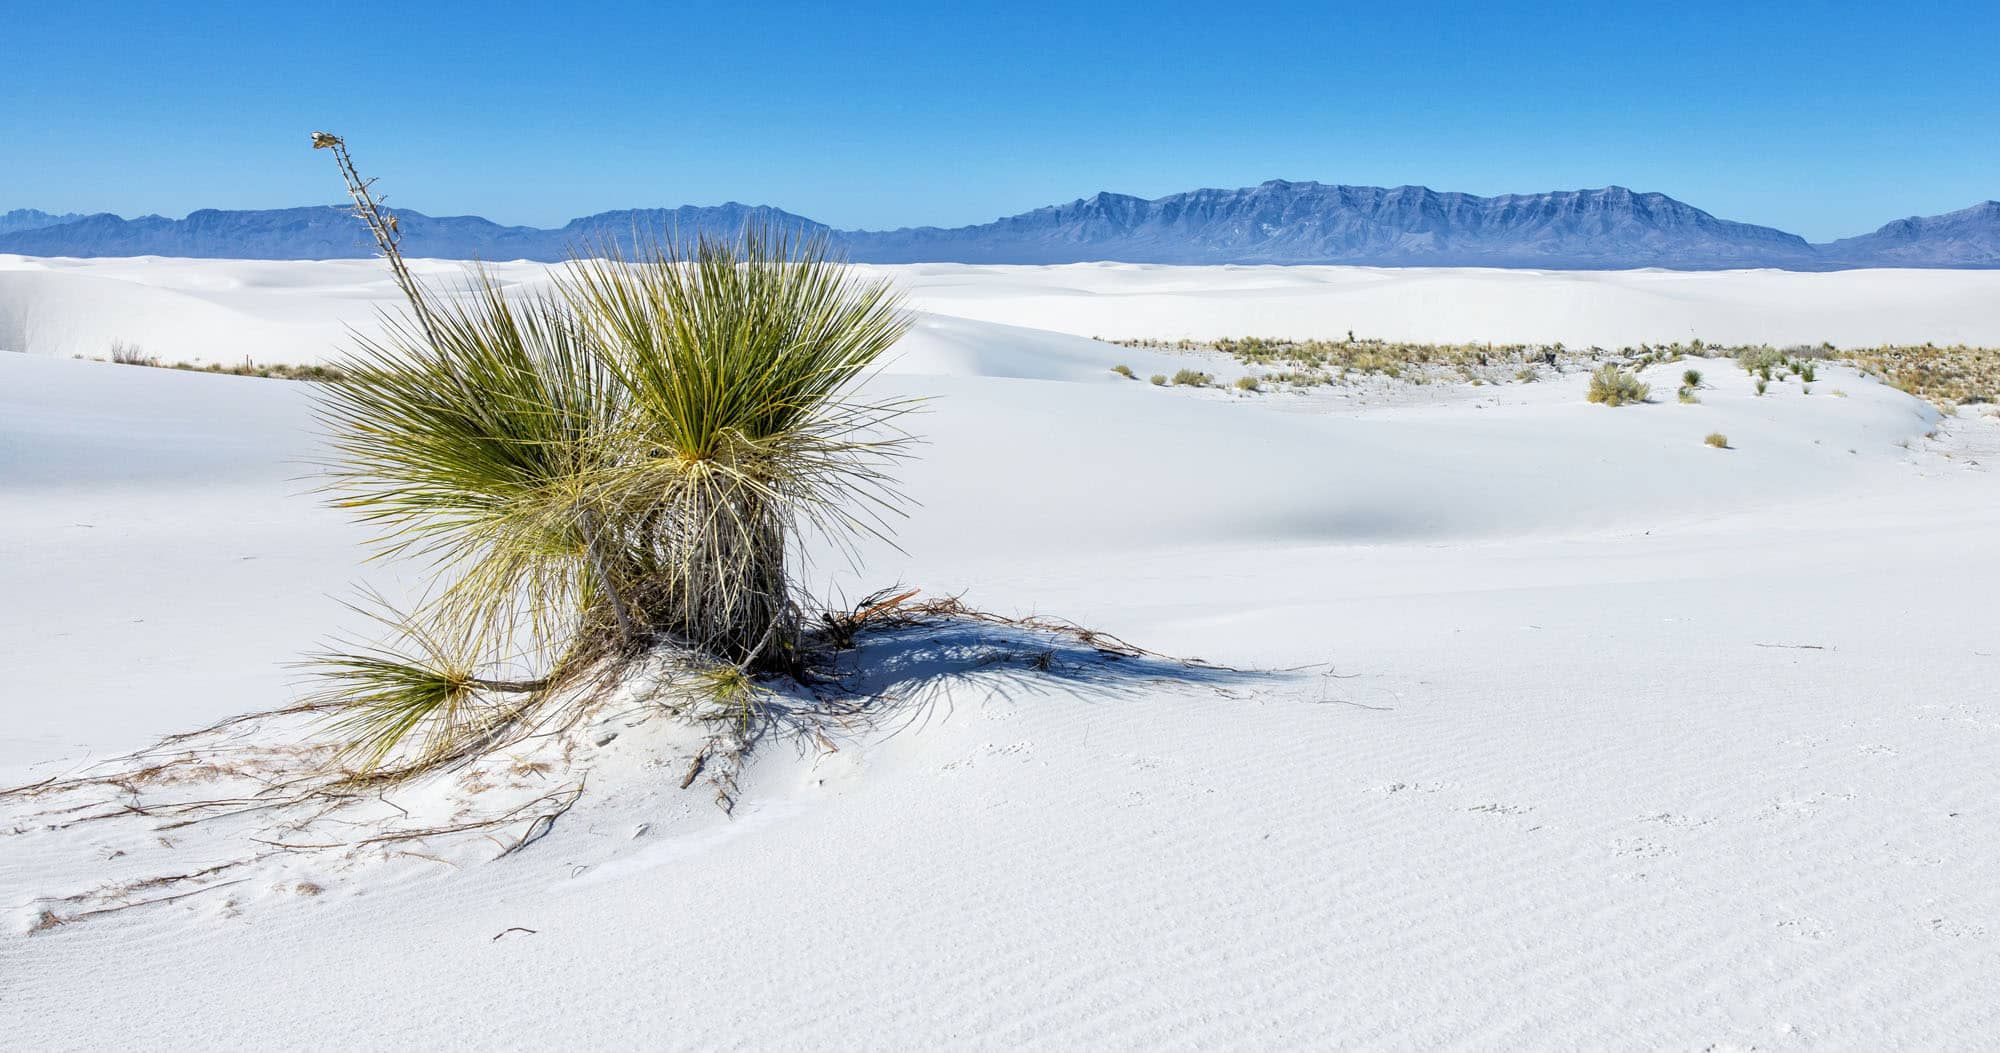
(1275, 222)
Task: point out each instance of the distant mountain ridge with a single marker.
(330, 232)
(1282, 222)
(1276, 222)
(33, 219)
(1969, 237)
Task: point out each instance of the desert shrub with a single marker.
(594, 471)
(1192, 378)
(1807, 373)
(1613, 386)
(1686, 394)
(1246, 383)
(1717, 440)
(1759, 360)
(1124, 371)
(1691, 379)
(1158, 380)
(1761, 385)
(129, 354)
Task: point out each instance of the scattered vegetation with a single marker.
(1947, 376)
(1193, 378)
(1158, 380)
(1717, 440)
(1612, 386)
(1124, 370)
(317, 373)
(1246, 384)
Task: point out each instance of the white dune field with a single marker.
(1549, 726)
(301, 311)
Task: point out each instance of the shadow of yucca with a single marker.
(904, 675)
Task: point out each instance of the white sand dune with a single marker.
(301, 311)
(1559, 728)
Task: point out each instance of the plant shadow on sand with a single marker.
(917, 669)
(275, 815)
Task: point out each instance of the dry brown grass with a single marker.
(1948, 376)
(129, 355)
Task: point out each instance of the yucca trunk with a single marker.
(710, 572)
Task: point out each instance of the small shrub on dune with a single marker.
(1691, 379)
(1192, 378)
(1246, 384)
(1124, 371)
(1612, 386)
(1686, 394)
(1717, 440)
(1158, 380)
(1761, 385)
(128, 354)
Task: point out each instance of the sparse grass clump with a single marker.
(1124, 370)
(1246, 384)
(1717, 440)
(1612, 386)
(1691, 379)
(1192, 378)
(1158, 380)
(129, 354)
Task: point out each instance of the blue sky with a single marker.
(1823, 119)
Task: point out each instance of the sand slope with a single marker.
(1558, 729)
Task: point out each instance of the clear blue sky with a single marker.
(1826, 120)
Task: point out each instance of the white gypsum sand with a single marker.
(1545, 724)
(296, 312)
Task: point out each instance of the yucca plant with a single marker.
(622, 463)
